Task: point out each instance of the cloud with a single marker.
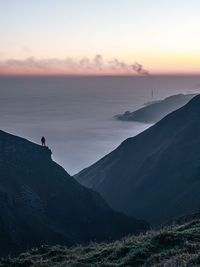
(69, 66)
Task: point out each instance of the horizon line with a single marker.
(101, 75)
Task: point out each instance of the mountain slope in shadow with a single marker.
(156, 174)
(40, 203)
(156, 110)
(174, 245)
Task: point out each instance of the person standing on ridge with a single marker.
(43, 140)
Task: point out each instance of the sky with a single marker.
(64, 37)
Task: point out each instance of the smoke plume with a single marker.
(69, 66)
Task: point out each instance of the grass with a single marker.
(176, 245)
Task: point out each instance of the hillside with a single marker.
(154, 175)
(156, 110)
(175, 245)
(41, 203)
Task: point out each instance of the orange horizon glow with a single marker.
(175, 74)
(147, 37)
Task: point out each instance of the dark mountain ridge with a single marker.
(40, 203)
(155, 175)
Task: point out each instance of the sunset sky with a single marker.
(65, 37)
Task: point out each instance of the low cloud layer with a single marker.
(69, 66)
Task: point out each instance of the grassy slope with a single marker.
(177, 245)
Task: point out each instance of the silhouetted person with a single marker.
(43, 140)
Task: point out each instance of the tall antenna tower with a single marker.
(152, 94)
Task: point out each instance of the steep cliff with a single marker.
(40, 203)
